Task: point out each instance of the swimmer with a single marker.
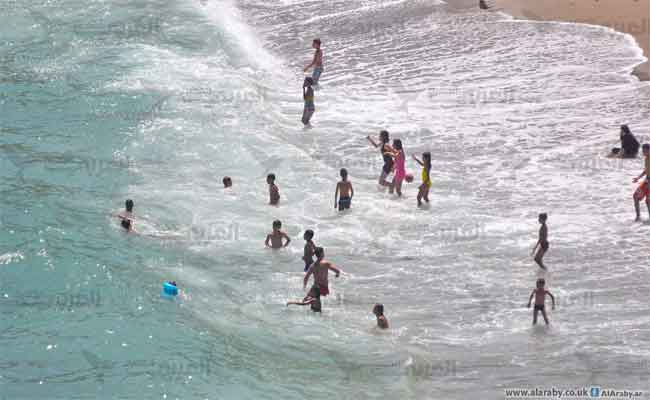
(128, 212)
(313, 300)
(344, 187)
(274, 239)
(310, 248)
(308, 97)
(483, 5)
(320, 270)
(317, 62)
(400, 170)
(643, 191)
(378, 310)
(227, 182)
(542, 241)
(386, 150)
(274, 192)
(629, 145)
(423, 190)
(540, 298)
(127, 224)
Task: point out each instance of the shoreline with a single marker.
(627, 16)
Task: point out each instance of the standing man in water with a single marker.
(643, 191)
(317, 62)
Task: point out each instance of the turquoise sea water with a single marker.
(157, 101)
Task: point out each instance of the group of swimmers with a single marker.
(394, 159)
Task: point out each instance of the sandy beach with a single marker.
(629, 16)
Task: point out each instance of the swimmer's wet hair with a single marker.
(128, 204)
(126, 224)
(379, 308)
(226, 179)
(319, 252)
(343, 172)
(317, 40)
(271, 177)
(541, 281)
(646, 146)
(543, 216)
(309, 233)
(397, 143)
(625, 129)
(384, 136)
(277, 223)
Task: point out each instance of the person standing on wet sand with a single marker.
(542, 242)
(316, 63)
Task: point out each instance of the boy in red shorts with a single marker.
(643, 191)
(320, 269)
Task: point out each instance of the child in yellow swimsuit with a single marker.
(423, 193)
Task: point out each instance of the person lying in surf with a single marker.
(345, 189)
(540, 298)
(274, 239)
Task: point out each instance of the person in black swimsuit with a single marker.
(386, 153)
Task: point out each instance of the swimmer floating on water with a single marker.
(540, 298)
(542, 241)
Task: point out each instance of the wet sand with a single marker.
(629, 16)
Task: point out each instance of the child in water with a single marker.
(542, 241)
(540, 297)
(308, 96)
(274, 239)
(386, 153)
(400, 169)
(274, 192)
(310, 249)
(423, 192)
(227, 182)
(344, 187)
(378, 310)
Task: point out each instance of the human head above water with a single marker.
(270, 178)
(319, 252)
(316, 43)
(426, 158)
(384, 136)
(378, 310)
(344, 173)
(126, 224)
(129, 205)
(541, 282)
(227, 182)
(277, 224)
(625, 130)
(309, 234)
(542, 217)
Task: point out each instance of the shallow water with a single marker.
(157, 101)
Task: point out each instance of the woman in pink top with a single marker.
(400, 169)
